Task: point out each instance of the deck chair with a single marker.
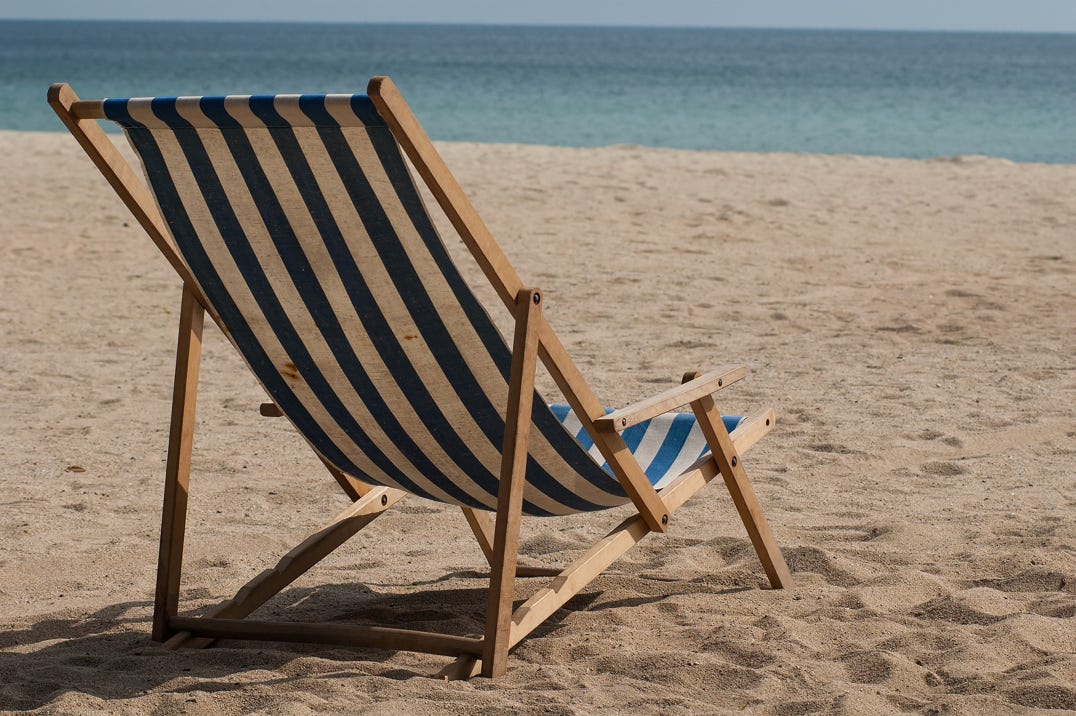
(294, 222)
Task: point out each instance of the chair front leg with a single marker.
(743, 494)
(510, 490)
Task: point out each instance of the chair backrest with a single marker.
(299, 220)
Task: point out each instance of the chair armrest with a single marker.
(705, 384)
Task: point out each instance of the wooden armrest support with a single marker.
(270, 410)
(703, 385)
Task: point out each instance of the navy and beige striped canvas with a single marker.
(299, 220)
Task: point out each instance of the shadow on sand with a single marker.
(108, 654)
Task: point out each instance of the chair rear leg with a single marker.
(750, 510)
(178, 469)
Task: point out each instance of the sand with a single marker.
(912, 322)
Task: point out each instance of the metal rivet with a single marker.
(734, 461)
(664, 519)
(719, 382)
(384, 500)
(624, 421)
(537, 298)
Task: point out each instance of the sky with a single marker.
(976, 15)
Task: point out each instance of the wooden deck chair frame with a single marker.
(534, 340)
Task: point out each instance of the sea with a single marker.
(898, 94)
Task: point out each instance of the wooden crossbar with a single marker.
(88, 109)
(340, 634)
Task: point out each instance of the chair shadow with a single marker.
(108, 654)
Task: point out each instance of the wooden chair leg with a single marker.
(510, 491)
(178, 468)
(743, 494)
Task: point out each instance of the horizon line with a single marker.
(612, 26)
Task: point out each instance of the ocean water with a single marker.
(902, 94)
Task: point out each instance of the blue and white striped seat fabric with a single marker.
(301, 224)
(665, 446)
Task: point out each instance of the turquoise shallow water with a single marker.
(885, 93)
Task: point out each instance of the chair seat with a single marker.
(665, 446)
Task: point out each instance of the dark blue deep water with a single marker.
(887, 93)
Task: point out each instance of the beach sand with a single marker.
(912, 322)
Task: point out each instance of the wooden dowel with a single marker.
(88, 109)
(270, 410)
(526, 570)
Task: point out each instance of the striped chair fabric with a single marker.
(302, 226)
